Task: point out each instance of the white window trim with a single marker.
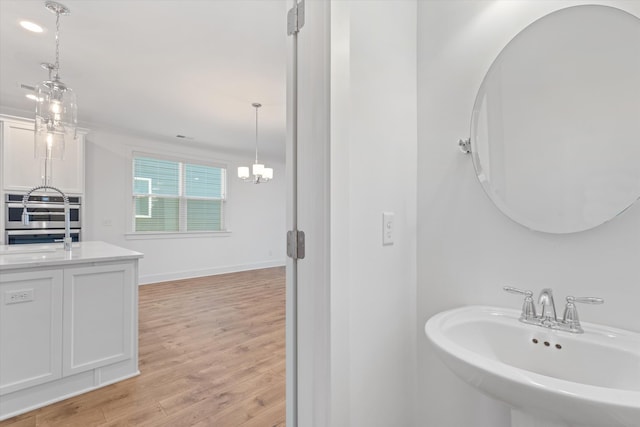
(149, 209)
(148, 235)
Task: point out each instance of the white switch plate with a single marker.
(22, 295)
(387, 228)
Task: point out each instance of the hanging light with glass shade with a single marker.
(259, 173)
(56, 107)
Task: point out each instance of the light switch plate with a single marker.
(387, 228)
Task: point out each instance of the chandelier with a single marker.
(56, 108)
(259, 173)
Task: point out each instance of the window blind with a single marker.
(175, 196)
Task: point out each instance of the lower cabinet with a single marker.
(98, 316)
(65, 331)
(30, 329)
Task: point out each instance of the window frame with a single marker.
(150, 205)
(182, 231)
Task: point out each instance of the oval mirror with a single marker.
(555, 130)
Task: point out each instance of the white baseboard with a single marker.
(147, 279)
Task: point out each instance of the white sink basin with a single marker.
(590, 379)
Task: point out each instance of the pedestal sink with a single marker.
(549, 378)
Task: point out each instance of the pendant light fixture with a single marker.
(259, 173)
(56, 108)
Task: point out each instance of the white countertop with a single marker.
(41, 255)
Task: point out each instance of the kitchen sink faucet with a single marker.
(25, 214)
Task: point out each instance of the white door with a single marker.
(308, 209)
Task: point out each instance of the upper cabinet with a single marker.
(21, 171)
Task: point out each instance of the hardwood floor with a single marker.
(212, 353)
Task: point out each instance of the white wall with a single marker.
(255, 213)
(373, 169)
(467, 249)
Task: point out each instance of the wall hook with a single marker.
(465, 145)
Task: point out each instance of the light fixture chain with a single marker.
(56, 108)
(57, 45)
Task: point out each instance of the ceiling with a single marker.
(158, 69)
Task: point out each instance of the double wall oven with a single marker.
(47, 219)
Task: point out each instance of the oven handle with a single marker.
(45, 231)
(43, 205)
(43, 213)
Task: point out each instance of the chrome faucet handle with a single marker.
(570, 317)
(585, 300)
(528, 307)
(513, 290)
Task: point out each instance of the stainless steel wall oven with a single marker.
(47, 219)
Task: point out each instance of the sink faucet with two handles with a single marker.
(547, 317)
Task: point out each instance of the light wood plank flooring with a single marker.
(212, 353)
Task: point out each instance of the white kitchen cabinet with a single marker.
(98, 316)
(30, 329)
(68, 322)
(21, 171)
(56, 323)
(68, 174)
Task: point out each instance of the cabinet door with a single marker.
(68, 174)
(20, 169)
(30, 329)
(99, 304)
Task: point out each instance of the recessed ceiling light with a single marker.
(31, 26)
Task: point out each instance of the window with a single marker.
(175, 196)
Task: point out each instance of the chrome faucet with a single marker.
(547, 306)
(67, 220)
(547, 317)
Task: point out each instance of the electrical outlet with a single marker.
(22, 295)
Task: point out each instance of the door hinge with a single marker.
(295, 244)
(295, 18)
